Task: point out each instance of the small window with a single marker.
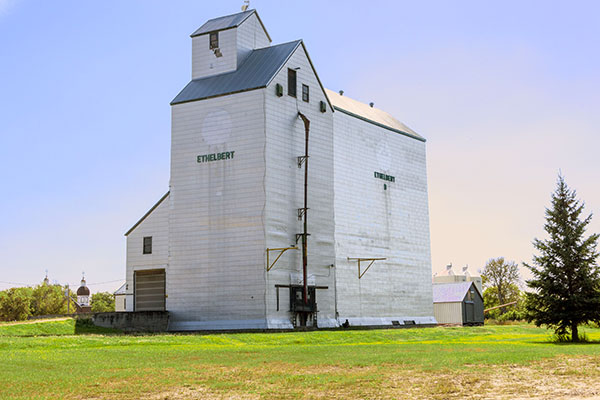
(124, 303)
(214, 40)
(148, 245)
(291, 82)
(305, 93)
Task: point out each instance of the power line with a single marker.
(15, 283)
(101, 283)
(70, 284)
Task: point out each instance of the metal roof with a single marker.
(370, 114)
(227, 22)
(255, 72)
(451, 292)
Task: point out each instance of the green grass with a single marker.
(52, 328)
(60, 359)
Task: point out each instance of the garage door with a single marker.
(149, 291)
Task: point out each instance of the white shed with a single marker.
(457, 303)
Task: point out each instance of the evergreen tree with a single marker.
(566, 279)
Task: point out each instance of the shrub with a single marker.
(15, 304)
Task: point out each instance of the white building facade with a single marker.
(223, 248)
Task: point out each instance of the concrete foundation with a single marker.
(141, 321)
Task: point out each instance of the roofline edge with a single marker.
(148, 213)
(253, 11)
(173, 103)
(420, 139)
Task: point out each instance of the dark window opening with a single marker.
(305, 93)
(214, 40)
(147, 245)
(291, 82)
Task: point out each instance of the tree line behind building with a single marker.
(21, 303)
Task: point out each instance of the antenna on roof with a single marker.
(246, 5)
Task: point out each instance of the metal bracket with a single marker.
(281, 250)
(301, 212)
(301, 160)
(299, 235)
(372, 260)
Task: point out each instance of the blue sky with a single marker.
(506, 93)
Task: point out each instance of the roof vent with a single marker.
(371, 104)
(341, 92)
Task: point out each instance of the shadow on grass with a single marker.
(566, 340)
(85, 326)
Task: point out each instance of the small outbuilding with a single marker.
(457, 303)
(121, 298)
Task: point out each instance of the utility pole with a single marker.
(305, 224)
(68, 299)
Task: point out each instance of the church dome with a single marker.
(83, 290)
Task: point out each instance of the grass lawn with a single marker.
(56, 359)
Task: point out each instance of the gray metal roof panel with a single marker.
(450, 292)
(226, 22)
(255, 72)
(370, 114)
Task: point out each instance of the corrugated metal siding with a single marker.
(373, 222)
(156, 224)
(204, 61)
(149, 292)
(255, 72)
(448, 313)
(120, 302)
(285, 190)
(250, 36)
(217, 239)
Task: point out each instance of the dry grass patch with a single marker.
(558, 378)
(564, 378)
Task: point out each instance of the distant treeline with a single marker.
(17, 304)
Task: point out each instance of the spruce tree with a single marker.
(566, 279)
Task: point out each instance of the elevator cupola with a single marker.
(222, 44)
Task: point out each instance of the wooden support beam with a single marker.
(500, 306)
